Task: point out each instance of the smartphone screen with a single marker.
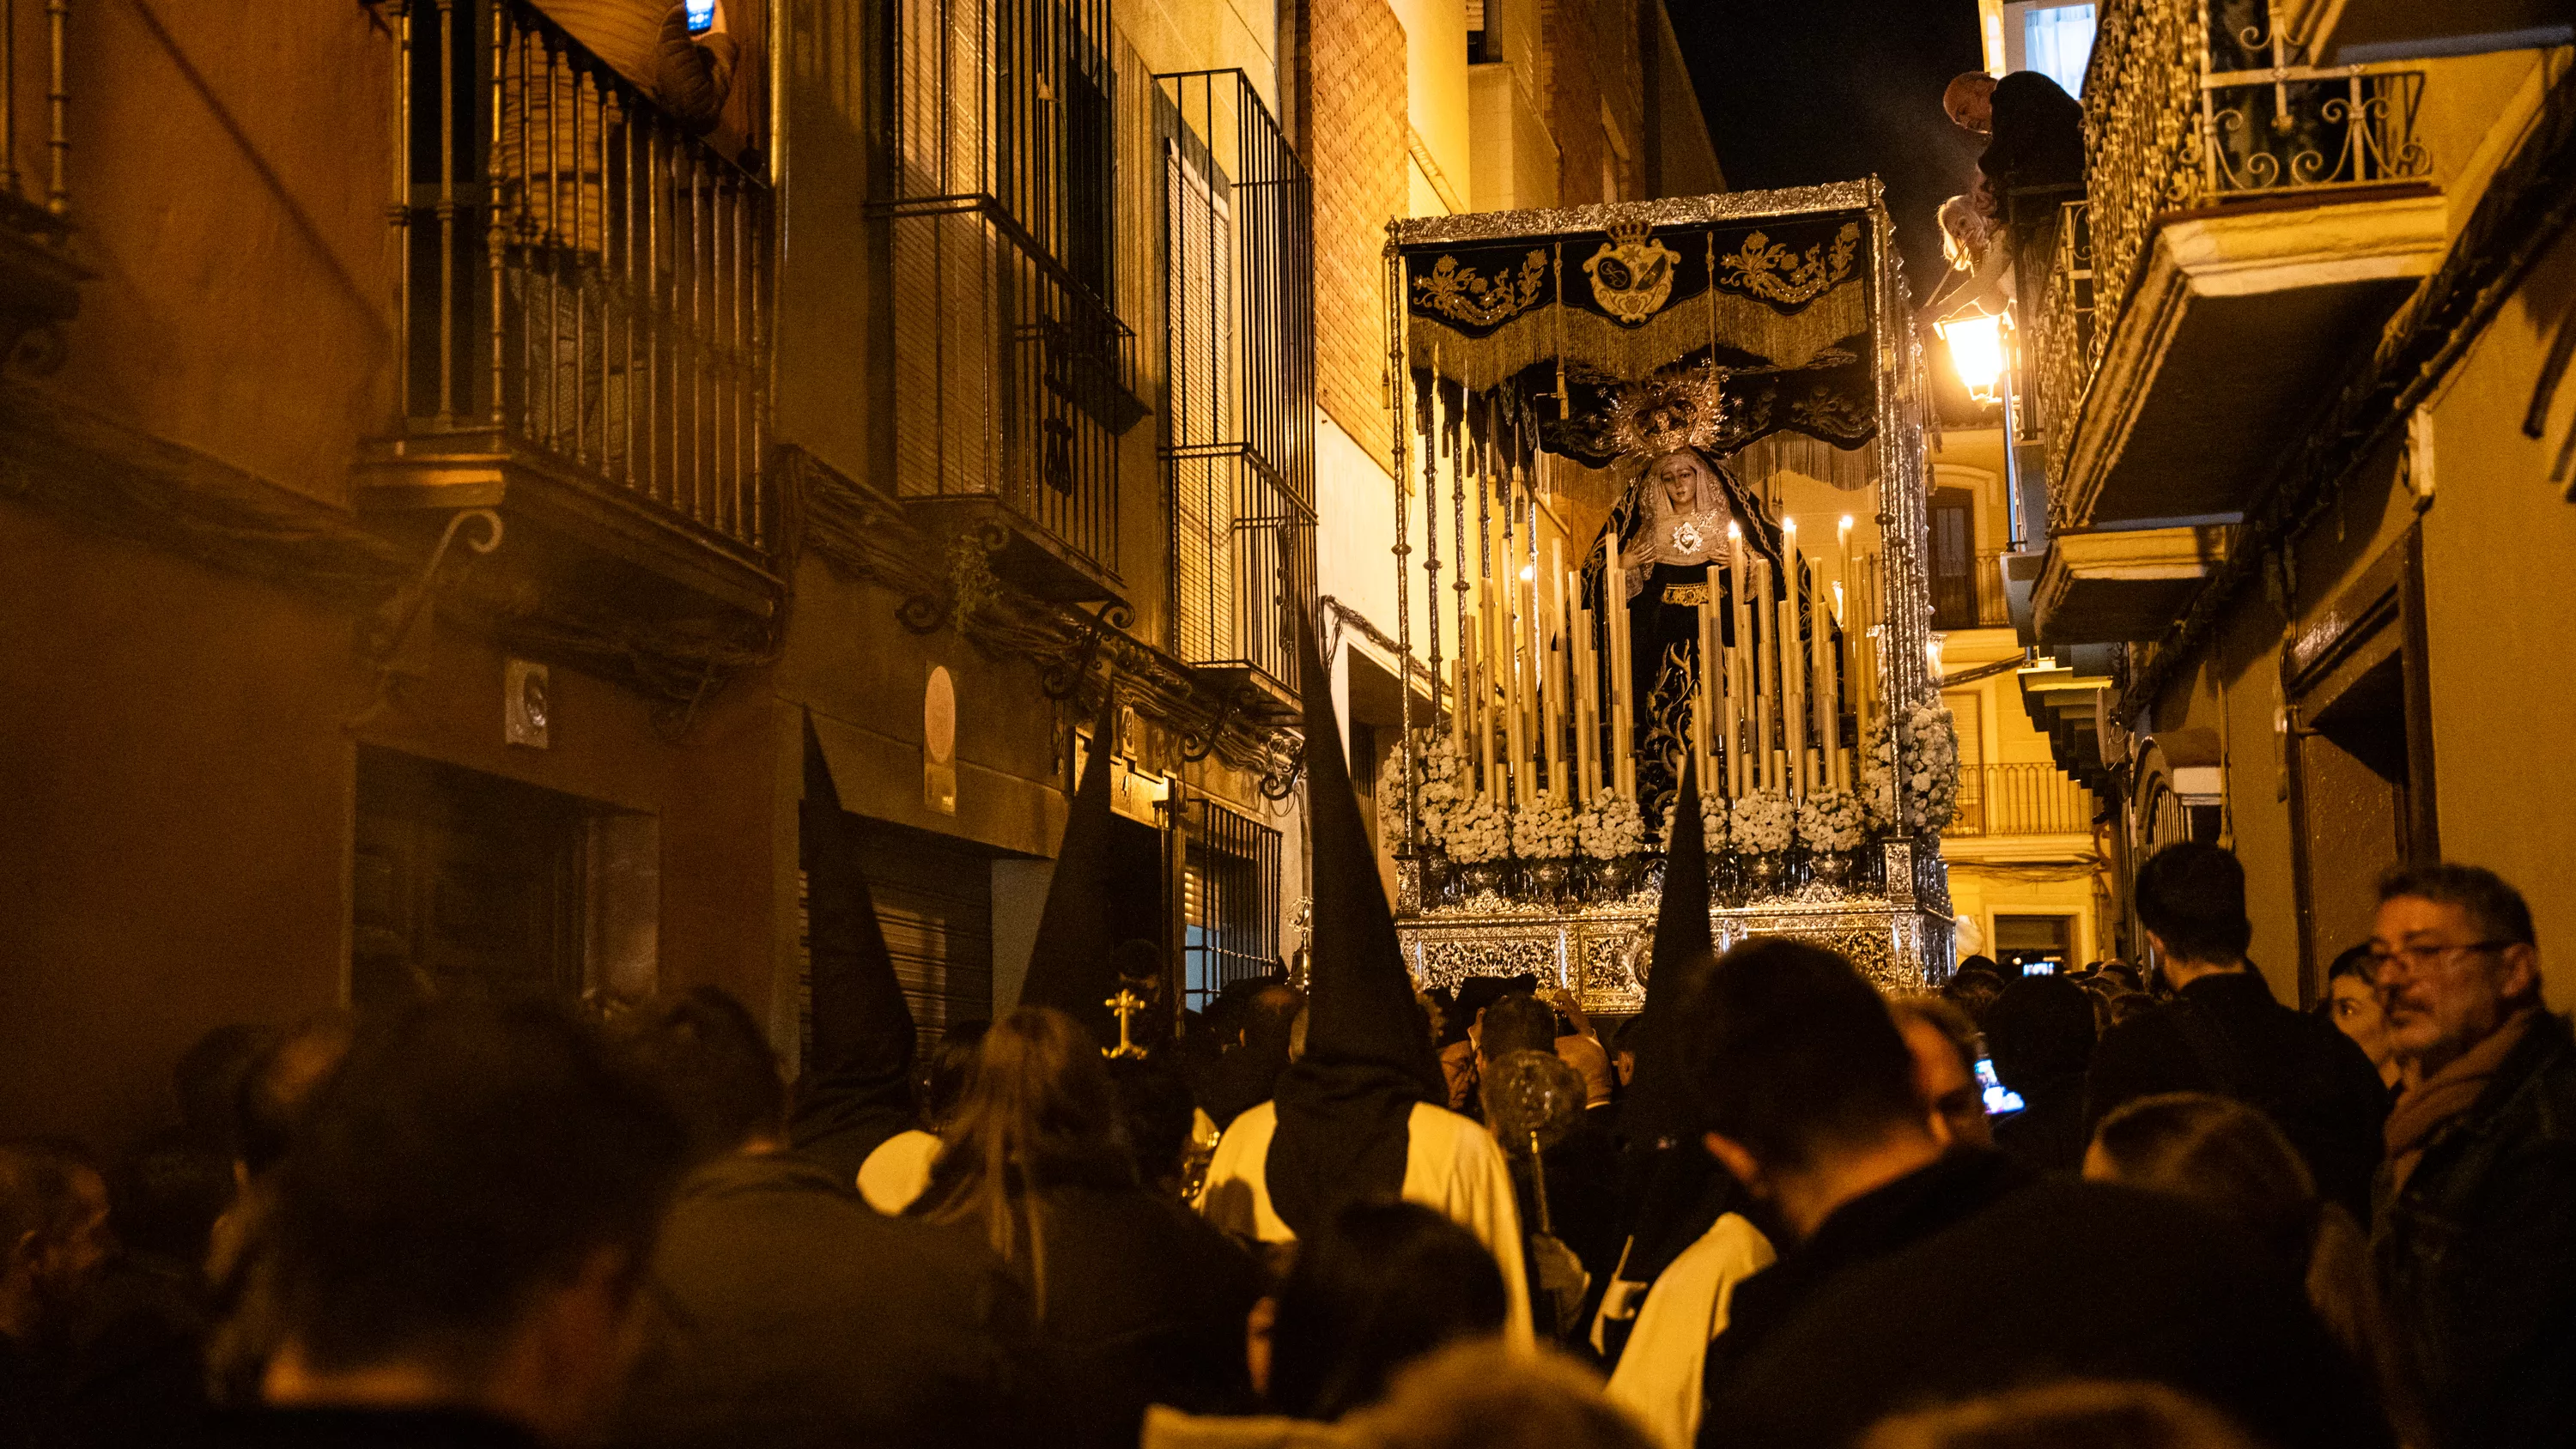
(2000, 1099)
(702, 15)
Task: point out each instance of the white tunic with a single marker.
(1451, 1165)
(898, 1171)
(1658, 1378)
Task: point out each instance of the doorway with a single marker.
(2359, 755)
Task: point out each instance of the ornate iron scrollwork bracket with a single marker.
(382, 636)
(1197, 745)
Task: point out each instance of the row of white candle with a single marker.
(1528, 670)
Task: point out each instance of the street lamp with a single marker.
(1976, 351)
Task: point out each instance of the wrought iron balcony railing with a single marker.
(1973, 599)
(2003, 800)
(1012, 371)
(1239, 380)
(39, 280)
(2190, 105)
(583, 272)
(38, 26)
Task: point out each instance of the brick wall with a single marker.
(1346, 112)
(1591, 47)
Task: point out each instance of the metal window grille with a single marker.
(581, 273)
(1239, 438)
(1229, 900)
(1013, 374)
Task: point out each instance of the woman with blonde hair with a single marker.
(1137, 1301)
(2229, 1159)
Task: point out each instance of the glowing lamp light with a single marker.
(1977, 352)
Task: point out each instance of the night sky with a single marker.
(1805, 91)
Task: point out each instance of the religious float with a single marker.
(1672, 458)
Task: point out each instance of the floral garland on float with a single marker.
(1929, 774)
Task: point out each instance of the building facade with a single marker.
(2294, 449)
(452, 447)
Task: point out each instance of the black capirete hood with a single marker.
(1343, 1106)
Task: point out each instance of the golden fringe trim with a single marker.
(1573, 335)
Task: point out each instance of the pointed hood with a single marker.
(1361, 1006)
(1659, 1098)
(856, 1090)
(1072, 963)
(1344, 1107)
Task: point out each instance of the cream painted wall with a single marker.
(1355, 531)
(1436, 98)
(1185, 35)
(1515, 163)
(2499, 540)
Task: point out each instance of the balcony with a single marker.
(2345, 32)
(39, 280)
(1997, 801)
(2252, 220)
(2064, 694)
(1013, 376)
(2120, 585)
(1239, 385)
(583, 343)
(1971, 598)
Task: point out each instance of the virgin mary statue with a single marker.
(1670, 528)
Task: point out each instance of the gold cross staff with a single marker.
(1126, 1003)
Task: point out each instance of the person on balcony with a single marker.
(2034, 131)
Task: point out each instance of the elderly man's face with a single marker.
(2444, 986)
(1679, 473)
(1970, 103)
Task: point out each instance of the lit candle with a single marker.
(1586, 704)
(1493, 788)
(1793, 732)
(1623, 756)
(1515, 663)
(1765, 669)
(1829, 688)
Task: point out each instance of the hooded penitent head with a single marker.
(1073, 965)
(1344, 1104)
(856, 1090)
(1682, 954)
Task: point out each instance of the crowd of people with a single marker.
(1779, 1207)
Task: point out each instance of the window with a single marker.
(1229, 902)
(1239, 407)
(468, 884)
(2055, 40)
(1954, 559)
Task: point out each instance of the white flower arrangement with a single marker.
(1543, 830)
(1762, 823)
(1712, 822)
(1830, 820)
(1478, 831)
(1610, 827)
(1436, 757)
(1929, 774)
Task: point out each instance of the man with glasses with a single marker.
(2475, 1222)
